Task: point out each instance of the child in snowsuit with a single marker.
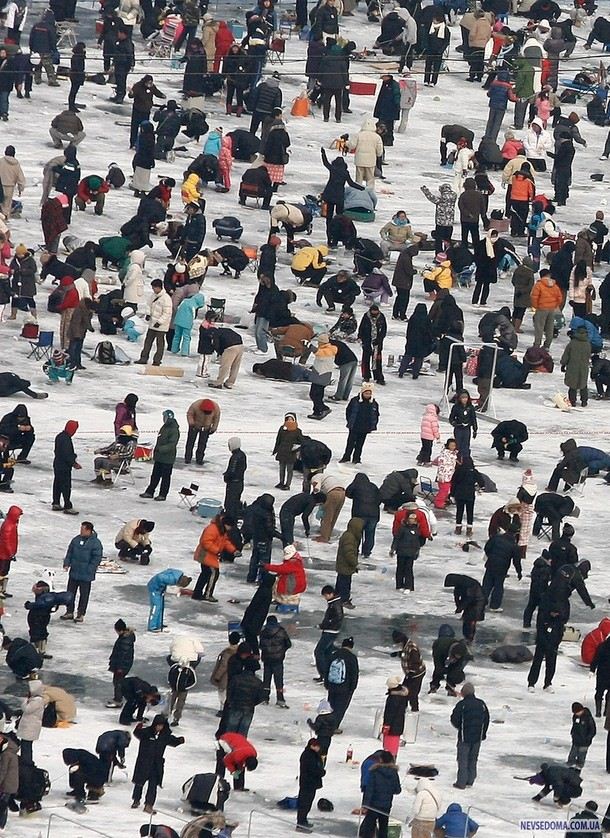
(9, 544)
(394, 714)
(324, 726)
(205, 347)
(183, 323)
(429, 432)
(446, 463)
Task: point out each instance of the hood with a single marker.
(431, 411)
(14, 514)
(265, 501)
(137, 257)
(581, 334)
(568, 446)
(160, 719)
(168, 415)
(355, 526)
(445, 630)
(362, 481)
(445, 188)
(272, 82)
(369, 125)
(36, 688)
(505, 311)
(197, 300)
(234, 443)
(604, 626)
(20, 410)
(71, 427)
(528, 263)
(69, 756)
(425, 785)
(10, 161)
(454, 807)
(537, 121)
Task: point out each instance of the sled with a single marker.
(170, 372)
(411, 726)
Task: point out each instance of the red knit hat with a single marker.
(71, 427)
(207, 405)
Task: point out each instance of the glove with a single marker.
(394, 654)
(592, 606)
(474, 434)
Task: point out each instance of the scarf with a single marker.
(489, 248)
(400, 222)
(437, 29)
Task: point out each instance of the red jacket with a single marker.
(84, 193)
(241, 750)
(9, 535)
(292, 578)
(424, 526)
(223, 41)
(71, 300)
(594, 639)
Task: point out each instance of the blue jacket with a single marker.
(382, 785)
(158, 583)
(213, 143)
(83, 556)
(113, 740)
(185, 314)
(594, 458)
(595, 339)
(454, 822)
(498, 92)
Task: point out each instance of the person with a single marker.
(383, 784)
(463, 419)
(256, 612)
(121, 660)
(237, 755)
(203, 417)
(469, 601)
(546, 298)
(455, 823)
(214, 542)
(92, 190)
(234, 477)
(9, 545)
(311, 773)
(330, 628)
(333, 193)
(507, 437)
(540, 577)
(500, 550)
(143, 92)
(408, 97)
(470, 717)
(342, 679)
(347, 560)
(149, 765)
(471, 205)
(23, 282)
(64, 461)
(549, 634)
(338, 289)
(563, 781)
(437, 43)
(287, 442)
(371, 332)
(446, 463)
(160, 314)
(394, 714)
(156, 587)
(138, 695)
(274, 643)
(600, 665)
(568, 469)
(412, 664)
(321, 373)
(419, 342)
(39, 614)
(366, 502)
(220, 673)
(562, 168)
(228, 345)
(30, 724)
(184, 657)
(582, 735)
(164, 457)
(429, 433)
(426, 809)
(11, 178)
(84, 770)
(463, 487)
(387, 107)
(402, 281)
(588, 816)
(575, 363)
(368, 149)
(110, 747)
(133, 540)
(580, 288)
(244, 692)
(362, 415)
(82, 559)
(332, 76)
(486, 261)
(9, 775)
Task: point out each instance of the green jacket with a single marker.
(347, 551)
(575, 360)
(523, 86)
(167, 443)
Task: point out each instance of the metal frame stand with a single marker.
(491, 407)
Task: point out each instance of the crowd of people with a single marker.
(509, 53)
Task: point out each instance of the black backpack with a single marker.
(115, 177)
(104, 353)
(181, 677)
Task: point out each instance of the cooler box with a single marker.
(362, 88)
(143, 453)
(237, 29)
(394, 829)
(208, 508)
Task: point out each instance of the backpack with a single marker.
(57, 297)
(337, 672)
(104, 353)
(34, 782)
(115, 177)
(49, 716)
(181, 677)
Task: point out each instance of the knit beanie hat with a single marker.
(71, 427)
(207, 405)
(120, 625)
(467, 689)
(290, 551)
(21, 250)
(393, 682)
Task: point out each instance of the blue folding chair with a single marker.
(42, 347)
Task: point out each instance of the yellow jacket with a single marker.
(307, 257)
(190, 189)
(441, 275)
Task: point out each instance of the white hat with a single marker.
(290, 551)
(180, 267)
(393, 682)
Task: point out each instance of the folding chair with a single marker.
(546, 529)
(427, 488)
(217, 305)
(65, 34)
(277, 48)
(42, 347)
(578, 488)
(188, 496)
(124, 470)
(251, 252)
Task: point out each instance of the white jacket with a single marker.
(133, 284)
(128, 533)
(129, 11)
(184, 649)
(578, 293)
(427, 803)
(30, 723)
(323, 482)
(537, 145)
(367, 146)
(161, 312)
(11, 12)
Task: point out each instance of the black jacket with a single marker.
(121, 657)
(260, 524)
(94, 772)
(267, 96)
(463, 416)
(311, 770)
(365, 330)
(362, 416)
(471, 718)
(276, 146)
(334, 191)
(382, 785)
(65, 456)
(224, 338)
(10, 421)
(352, 672)
(365, 497)
(245, 691)
(150, 762)
(344, 353)
(144, 158)
(274, 642)
(464, 480)
(583, 729)
(468, 596)
(333, 617)
(562, 551)
(340, 292)
(540, 576)
(134, 688)
(394, 711)
(301, 504)
(407, 541)
(236, 467)
(332, 72)
(501, 550)
(22, 657)
(420, 340)
(258, 607)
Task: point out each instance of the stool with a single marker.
(188, 496)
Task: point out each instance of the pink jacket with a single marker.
(429, 423)
(225, 161)
(446, 462)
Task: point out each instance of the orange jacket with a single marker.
(212, 542)
(546, 297)
(522, 189)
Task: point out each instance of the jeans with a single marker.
(261, 554)
(347, 373)
(274, 669)
(261, 327)
(323, 652)
(83, 589)
(368, 536)
(494, 123)
(239, 720)
(200, 436)
(355, 443)
(162, 472)
(462, 437)
(493, 588)
(4, 94)
(520, 111)
(372, 357)
(137, 118)
(287, 528)
(425, 452)
(343, 586)
(467, 755)
(74, 350)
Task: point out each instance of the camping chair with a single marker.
(188, 496)
(251, 252)
(277, 49)
(546, 529)
(42, 347)
(124, 469)
(65, 34)
(427, 489)
(217, 305)
(464, 277)
(578, 488)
